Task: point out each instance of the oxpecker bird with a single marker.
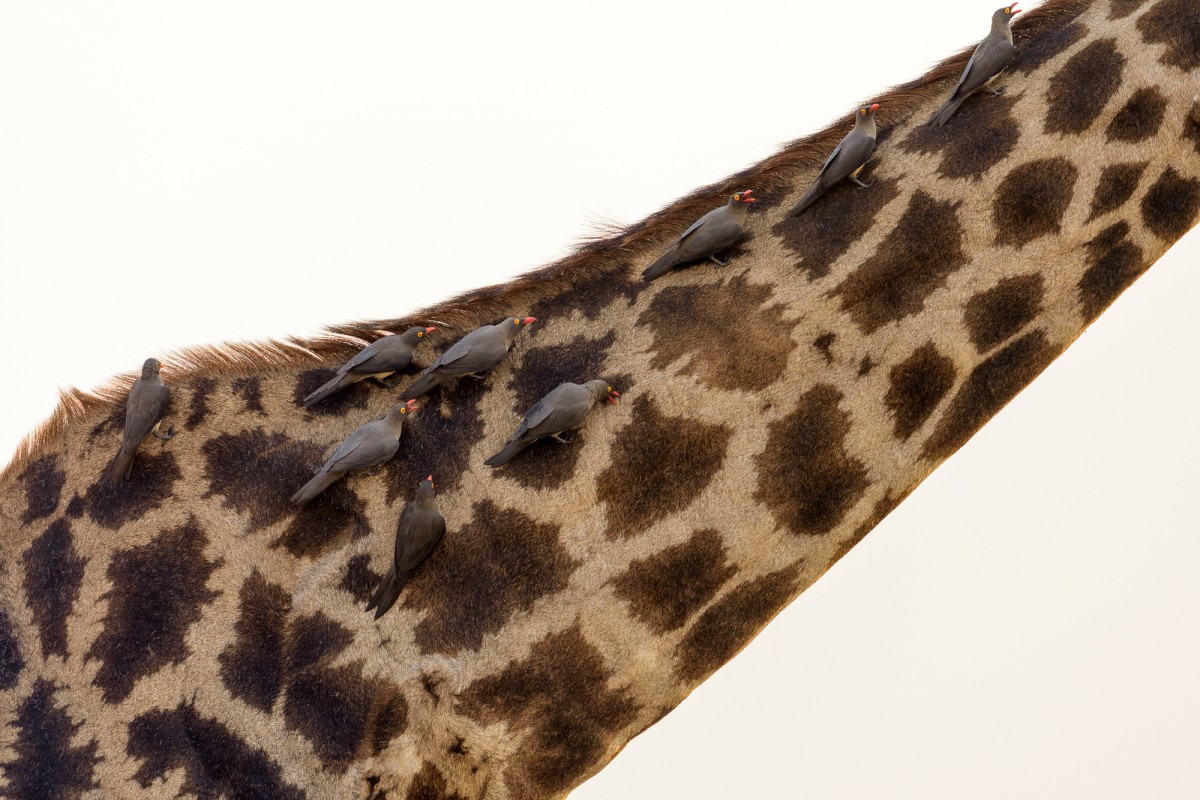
(148, 398)
(562, 410)
(991, 57)
(846, 160)
(373, 443)
(716, 231)
(421, 528)
(378, 360)
(478, 351)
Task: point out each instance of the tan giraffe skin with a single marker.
(190, 634)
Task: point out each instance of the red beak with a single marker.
(430, 329)
(746, 198)
(430, 479)
(875, 106)
(613, 395)
(411, 405)
(1013, 8)
(529, 320)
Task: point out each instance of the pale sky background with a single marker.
(1025, 625)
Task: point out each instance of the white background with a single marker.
(1025, 625)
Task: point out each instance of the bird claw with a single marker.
(718, 261)
(996, 92)
(559, 439)
(861, 184)
(389, 383)
(168, 436)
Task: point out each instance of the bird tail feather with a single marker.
(336, 384)
(810, 197)
(387, 593)
(660, 267)
(121, 467)
(320, 482)
(420, 386)
(948, 109)
(507, 454)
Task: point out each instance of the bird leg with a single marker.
(389, 383)
(558, 438)
(473, 376)
(166, 437)
(995, 92)
(713, 258)
(860, 183)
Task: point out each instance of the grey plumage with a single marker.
(373, 443)
(478, 351)
(381, 358)
(716, 231)
(420, 530)
(148, 399)
(846, 160)
(991, 57)
(563, 409)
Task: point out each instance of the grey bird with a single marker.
(991, 57)
(148, 399)
(378, 360)
(478, 351)
(420, 530)
(717, 230)
(373, 443)
(846, 160)
(563, 409)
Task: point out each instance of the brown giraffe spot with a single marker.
(150, 485)
(1032, 200)
(337, 515)
(915, 258)
(215, 761)
(983, 134)
(730, 336)
(550, 465)
(1113, 264)
(1171, 205)
(314, 639)
(499, 563)
(115, 421)
(198, 410)
(53, 574)
(658, 466)
(1191, 127)
(252, 666)
(865, 366)
(43, 482)
(353, 398)
(256, 472)
(76, 507)
(884, 506)
(336, 709)
(996, 314)
(391, 720)
(11, 660)
(823, 233)
(1117, 184)
(988, 389)
(591, 294)
(1120, 9)
(918, 384)
(560, 697)
(1033, 51)
(729, 624)
(250, 391)
(157, 592)
(1141, 117)
(805, 475)
(438, 439)
(1175, 23)
(359, 580)
(824, 345)
(1080, 90)
(430, 785)
(664, 590)
(44, 763)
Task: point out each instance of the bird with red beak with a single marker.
(846, 160)
(471, 356)
(991, 57)
(379, 360)
(715, 232)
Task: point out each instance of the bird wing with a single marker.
(832, 156)
(418, 538)
(479, 355)
(990, 58)
(362, 357)
(371, 444)
(561, 410)
(146, 405)
(695, 226)
(967, 71)
(534, 417)
(714, 237)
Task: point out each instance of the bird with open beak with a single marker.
(380, 359)
(477, 352)
(846, 160)
(371, 444)
(991, 57)
(716, 231)
(562, 410)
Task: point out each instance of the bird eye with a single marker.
(610, 388)
(420, 334)
(737, 198)
(516, 322)
(404, 411)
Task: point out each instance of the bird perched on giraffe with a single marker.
(715, 232)
(478, 351)
(144, 410)
(379, 360)
(418, 533)
(562, 410)
(846, 160)
(991, 57)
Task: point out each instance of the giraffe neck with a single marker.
(773, 412)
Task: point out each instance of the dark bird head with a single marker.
(425, 489)
(742, 199)
(1004, 16)
(514, 325)
(866, 114)
(401, 411)
(603, 389)
(416, 333)
(150, 368)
